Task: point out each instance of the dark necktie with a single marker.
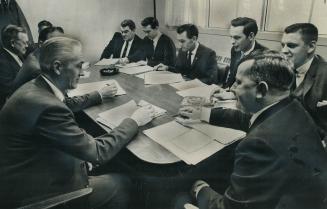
(125, 50)
(189, 59)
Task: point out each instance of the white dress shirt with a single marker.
(194, 51)
(156, 39)
(301, 71)
(128, 48)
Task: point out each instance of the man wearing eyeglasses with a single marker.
(15, 42)
(280, 163)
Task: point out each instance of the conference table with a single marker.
(157, 184)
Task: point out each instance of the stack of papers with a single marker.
(132, 64)
(162, 77)
(111, 61)
(188, 84)
(195, 143)
(203, 91)
(113, 117)
(85, 88)
(136, 69)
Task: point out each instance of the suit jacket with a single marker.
(165, 51)
(204, 66)
(279, 164)
(8, 71)
(115, 46)
(312, 90)
(42, 149)
(235, 60)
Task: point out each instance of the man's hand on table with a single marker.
(221, 94)
(160, 67)
(143, 115)
(108, 91)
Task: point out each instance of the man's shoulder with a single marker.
(117, 36)
(165, 38)
(259, 46)
(204, 49)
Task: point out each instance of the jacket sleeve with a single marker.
(109, 50)
(78, 103)
(169, 53)
(211, 69)
(230, 118)
(57, 125)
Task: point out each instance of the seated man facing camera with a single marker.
(194, 60)
(42, 149)
(281, 162)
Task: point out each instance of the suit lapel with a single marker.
(197, 55)
(310, 76)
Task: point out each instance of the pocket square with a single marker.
(322, 103)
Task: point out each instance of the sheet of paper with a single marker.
(132, 64)
(136, 70)
(188, 144)
(204, 91)
(150, 151)
(141, 76)
(230, 104)
(162, 77)
(84, 88)
(157, 110)
(111, 61)
(188, 84)
(222, 135)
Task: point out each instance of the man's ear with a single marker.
(262, 89)
(57, 67)
(251, 36)
(12, 43)
(312, 46)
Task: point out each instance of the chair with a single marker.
(58, 200)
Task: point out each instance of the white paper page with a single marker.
(113, 117)
(188, 84)
(204, 91)
(132, 64)
(222, 135)
(157, 110)
(140, 76)
(111, 61)
(84, 88)
(162, 77)
(150, 151)
(136, 70)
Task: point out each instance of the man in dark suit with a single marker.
(299, 43)
(194, 60)
(126, 44)
(42, 149)
(15, 42)
(242, 31)
(279, 164)
(157, 47)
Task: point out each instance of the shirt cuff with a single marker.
(205, 114)
(100, 96)
(198, 189)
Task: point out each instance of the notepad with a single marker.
(194, 143)
(111, 61)
(162, 77)
(113, 117)
(136, 70)
(85, 88)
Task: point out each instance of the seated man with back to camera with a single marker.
(281, 162)
(194, 60)
(42, 149)
(125, 45)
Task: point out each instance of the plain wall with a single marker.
(220, 42)
(92, 22)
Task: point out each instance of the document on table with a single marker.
(195, 143)
(188, 84)
(85, 88)
(111, 61)
(203, 91)
(136, 70)
(113, 117)
(162, 77)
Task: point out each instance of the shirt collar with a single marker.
(304, 68)
(16, 58)
(250, 50)
(55, 90)
(195, 48)
(257, 114)
(155, 40)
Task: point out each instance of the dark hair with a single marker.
(44, 23)
(150, 21)
(129, 23)
(191, 30)
(43, 36)
(308, 31)
(9, 33)
(273, 68)
(250, 25)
